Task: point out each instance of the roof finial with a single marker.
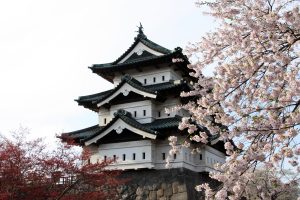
(140, 31)
(141, 34)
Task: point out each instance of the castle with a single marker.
(133, 127)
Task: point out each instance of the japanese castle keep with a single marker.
(133, 127)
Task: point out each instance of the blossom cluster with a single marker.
(255, 92)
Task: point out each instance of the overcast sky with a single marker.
(46, 48)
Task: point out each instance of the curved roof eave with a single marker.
(128, 84)
(122, 120)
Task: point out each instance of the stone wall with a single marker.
(168, 184)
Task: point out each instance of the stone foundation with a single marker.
(168, 184)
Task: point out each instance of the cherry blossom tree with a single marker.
(29, 171)
(253, 99)
(270, 183)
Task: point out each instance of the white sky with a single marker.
(46, 48)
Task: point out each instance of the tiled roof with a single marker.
(110, 66)
(156, 127)
(127, 118)
(81, 134)
(141, 37)
(152, 128)
(90, 101)
(165, 123)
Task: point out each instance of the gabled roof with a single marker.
(141, 37)
(107, 70)
(133, 84)
(154, 128)
(151, 55)
(153, 91)
(122, 119)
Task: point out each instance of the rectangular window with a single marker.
(104, 120)
(163, 78)
(134, 113)
(145, 81)
(154, 79)
(200, 156)
(158, 114)
(124, 157)
(144, 155)
(163, 156)
(133, 156)
(144, 112)
(174, 156)
(105, 158)
(115, 158)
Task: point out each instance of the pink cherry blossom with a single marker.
(255, 91)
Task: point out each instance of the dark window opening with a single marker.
(200, 156)
(158, 113)
(174, 156)
(144, 155)
(154, 79)
(105, 158)
(145, 81)
(104, 120)
(168, 114)
(124, 157)
(163, 78)
(115, 157)
(163, 156)
(144, 111)
(133, 156)
(134, 113)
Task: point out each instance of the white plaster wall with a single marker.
(154, 158)
(149, 74)
(127, 148)
(212, 156)
(151, 108)
(133, 107)
(104, 116)
(169, 103)
(139, 107)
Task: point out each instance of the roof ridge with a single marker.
(141, 37)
